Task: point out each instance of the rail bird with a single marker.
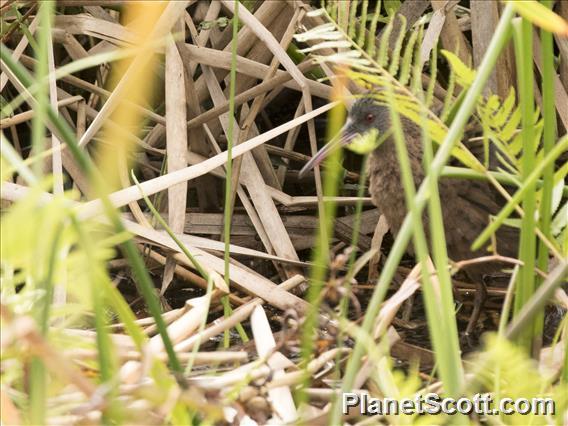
(466, 204)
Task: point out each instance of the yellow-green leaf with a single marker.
(464, 74)
(541, 16)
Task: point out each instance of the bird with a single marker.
(467, 205)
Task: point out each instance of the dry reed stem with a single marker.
(23, 43)
(251, 115)
(176, 143)
(560, 95)
(124, 196)
(242, 278)
(28, 115)
(280, 397)
(273, 223)
(253, 181)
(247, 204)
(164, 24)
(451, 36)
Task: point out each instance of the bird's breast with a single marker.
(385, 185)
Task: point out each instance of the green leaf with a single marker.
(464, 74)
(541, 16)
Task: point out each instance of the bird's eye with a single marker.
(369, 118)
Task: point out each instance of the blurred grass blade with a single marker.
(498, 41)
(549, 136)
(64, 132)
(321, 251)
(38, 374)
(442, 325)
(541, 16)
(11, 156)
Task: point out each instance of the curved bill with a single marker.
(344, 137)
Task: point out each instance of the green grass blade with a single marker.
(442, 324)
(549, 137)
(145, 284)
(447, 348)
(38, 373)
(105, 348)
(442, 155)
(560, 147)
(527, 247)
(320, 254)
(227, 213)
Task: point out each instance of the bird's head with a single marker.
(365, 122)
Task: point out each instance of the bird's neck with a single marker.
(387, 165)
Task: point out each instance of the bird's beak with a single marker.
(343, 138)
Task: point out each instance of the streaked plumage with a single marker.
(466, 205)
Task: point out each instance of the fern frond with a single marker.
(501, 125)
(407, 59)
(395, 57)
(371, 43)
(343, 15)
(352, 19)
(433, 75)
(333, 35)
(390, 65)
(416, 84)
(464, 74)
(447, 109)
(361, 37)
(382, 56)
